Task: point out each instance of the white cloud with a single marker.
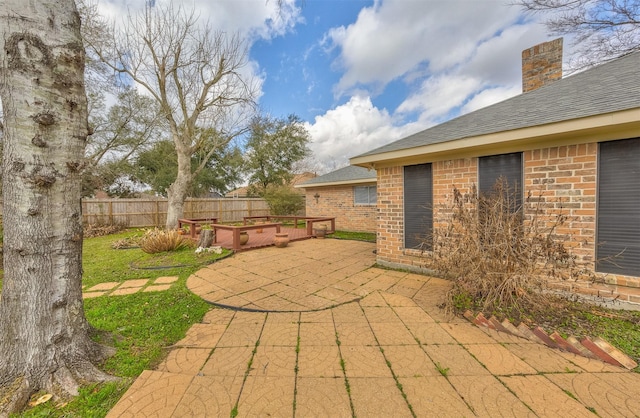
(393, 37)
(351, 129)
(264, 19)
(454, 56)
(438, 95)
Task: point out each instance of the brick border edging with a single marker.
(594, 348)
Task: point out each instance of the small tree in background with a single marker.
(283, 200)
(273, 148)
(499, 256)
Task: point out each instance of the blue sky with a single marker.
(365, 73)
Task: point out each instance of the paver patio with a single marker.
(314, 330)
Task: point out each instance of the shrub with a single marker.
(283, 200)
(496, 255)
(158, 241)
(102, 227)
(124, 243)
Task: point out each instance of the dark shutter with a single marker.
(418, 206)
(618, 222)
(507, 166)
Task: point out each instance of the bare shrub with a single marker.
(158, 241)
(99, 230)
(497, 254)
(125, 243)
(101, 226)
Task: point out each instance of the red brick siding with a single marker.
(338, 201)
(563, 177)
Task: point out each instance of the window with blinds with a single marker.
(418, 206)
(618, 208)
(364, 195)
(504, 166)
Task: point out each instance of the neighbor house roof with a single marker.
(347, 175)
(573, 105)
(297, 178)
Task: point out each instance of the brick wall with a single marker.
(461, 173)
(338, 202)
(562, 178)
(390, 237)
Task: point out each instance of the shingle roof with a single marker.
(346, 174)
(610, 87)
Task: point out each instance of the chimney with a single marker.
(541, 65)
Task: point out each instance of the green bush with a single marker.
(283, 200)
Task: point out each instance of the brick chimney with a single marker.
(541, 65)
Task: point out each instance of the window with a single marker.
(618, 211)
(364, 195)
(505, 166)
(418, 206)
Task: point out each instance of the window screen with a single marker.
(618, 212)
(364, 195)
(418, 206)
(506, 166)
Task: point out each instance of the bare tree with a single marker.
(602, 29)
(195, 75)
(44, 343)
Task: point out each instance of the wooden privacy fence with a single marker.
(153, 212)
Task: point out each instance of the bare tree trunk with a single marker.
(177, 193)
(45, 342)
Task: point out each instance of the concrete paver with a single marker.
(337, 337)
(488, 397)
(410, 361)
(377, 397)
(322, 397)
(187, 361)
(320, 361)
(209, 396)
(499, 360)
(621, 392)
(545, 398)
(433, 396)
(364, 361)
(125, 291)
(264, 396)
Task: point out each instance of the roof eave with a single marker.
(596, 128)
(337, 183)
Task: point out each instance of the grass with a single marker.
(141, 326)
(354, 236)
(444, 371)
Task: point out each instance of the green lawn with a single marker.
(357, 236)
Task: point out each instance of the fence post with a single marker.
(111, 213)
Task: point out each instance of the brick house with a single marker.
(348, 193)
(244, 190)
(575, 140)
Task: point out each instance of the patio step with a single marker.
(595, 348)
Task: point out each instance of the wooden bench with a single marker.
(193, 224)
